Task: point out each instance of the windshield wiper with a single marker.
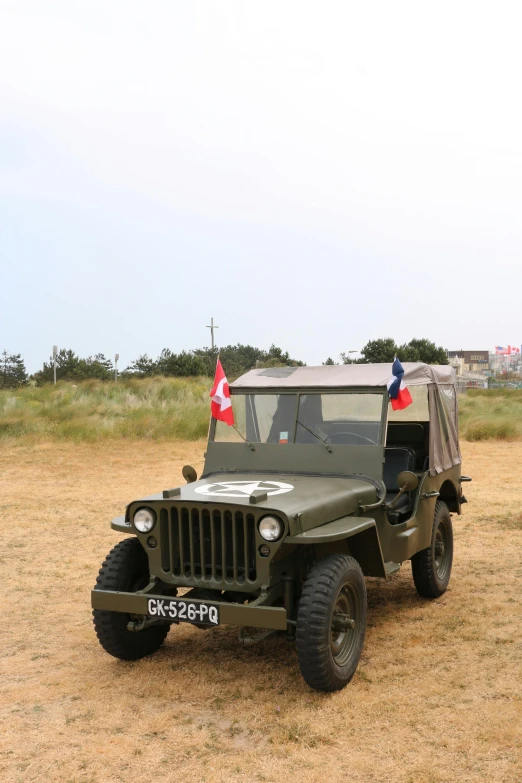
(325, 444)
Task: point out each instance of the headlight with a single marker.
(270, 528)
(144, 520)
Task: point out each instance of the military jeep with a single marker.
(320, 484)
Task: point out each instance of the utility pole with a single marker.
(55, 352)
(212, 327)
(116, 357)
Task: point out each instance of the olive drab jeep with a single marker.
(319, 484)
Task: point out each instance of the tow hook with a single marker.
(248, 641)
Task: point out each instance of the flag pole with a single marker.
(211, 417)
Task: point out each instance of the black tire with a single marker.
(431, 567)
(125, 568)
(327, 655)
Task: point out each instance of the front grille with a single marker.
(208, 545)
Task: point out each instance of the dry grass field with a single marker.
(437, 697)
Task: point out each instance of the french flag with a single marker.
(400, 397)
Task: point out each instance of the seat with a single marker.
(284, 417)
(410, 435)
(397, 459)
(310, 413)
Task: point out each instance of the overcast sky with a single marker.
(313, 175)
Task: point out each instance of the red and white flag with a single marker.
(221, 405)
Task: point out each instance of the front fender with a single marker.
(360, 533)
(121, 525)
(342, 528)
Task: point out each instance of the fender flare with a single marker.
(450, 494)
(361, 535)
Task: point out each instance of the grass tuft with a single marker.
(491, 414)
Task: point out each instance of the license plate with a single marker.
(183, 611)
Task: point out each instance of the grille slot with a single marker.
(165, 539)
(213, 546)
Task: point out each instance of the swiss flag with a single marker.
(221, 405)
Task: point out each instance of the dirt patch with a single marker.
(437, 696)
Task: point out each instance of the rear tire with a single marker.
(333, 593)
(431, 568)
(126, 569)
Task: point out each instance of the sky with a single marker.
(313, 175)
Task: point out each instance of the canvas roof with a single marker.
(343, 375)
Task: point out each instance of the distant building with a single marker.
(469, 361)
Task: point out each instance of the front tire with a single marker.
(431, 568)
(125, 569)
(331, 623)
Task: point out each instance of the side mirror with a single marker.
(407, 481)
(189, 474)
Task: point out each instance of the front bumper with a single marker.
(270, 617)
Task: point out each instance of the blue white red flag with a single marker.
(400, 397)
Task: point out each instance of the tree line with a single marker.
(385, 350)
(236, 360)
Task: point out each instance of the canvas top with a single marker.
(343, 375)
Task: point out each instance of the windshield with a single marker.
(260, 418)
(342, 418)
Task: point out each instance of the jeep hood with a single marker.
(307, 501)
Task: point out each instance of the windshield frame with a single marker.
(298, 393)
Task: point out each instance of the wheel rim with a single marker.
(343, 639)
(441, 551)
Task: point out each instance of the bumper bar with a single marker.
(271, 617)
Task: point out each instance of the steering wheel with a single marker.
(357, 438)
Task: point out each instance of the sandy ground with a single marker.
(437, 696)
